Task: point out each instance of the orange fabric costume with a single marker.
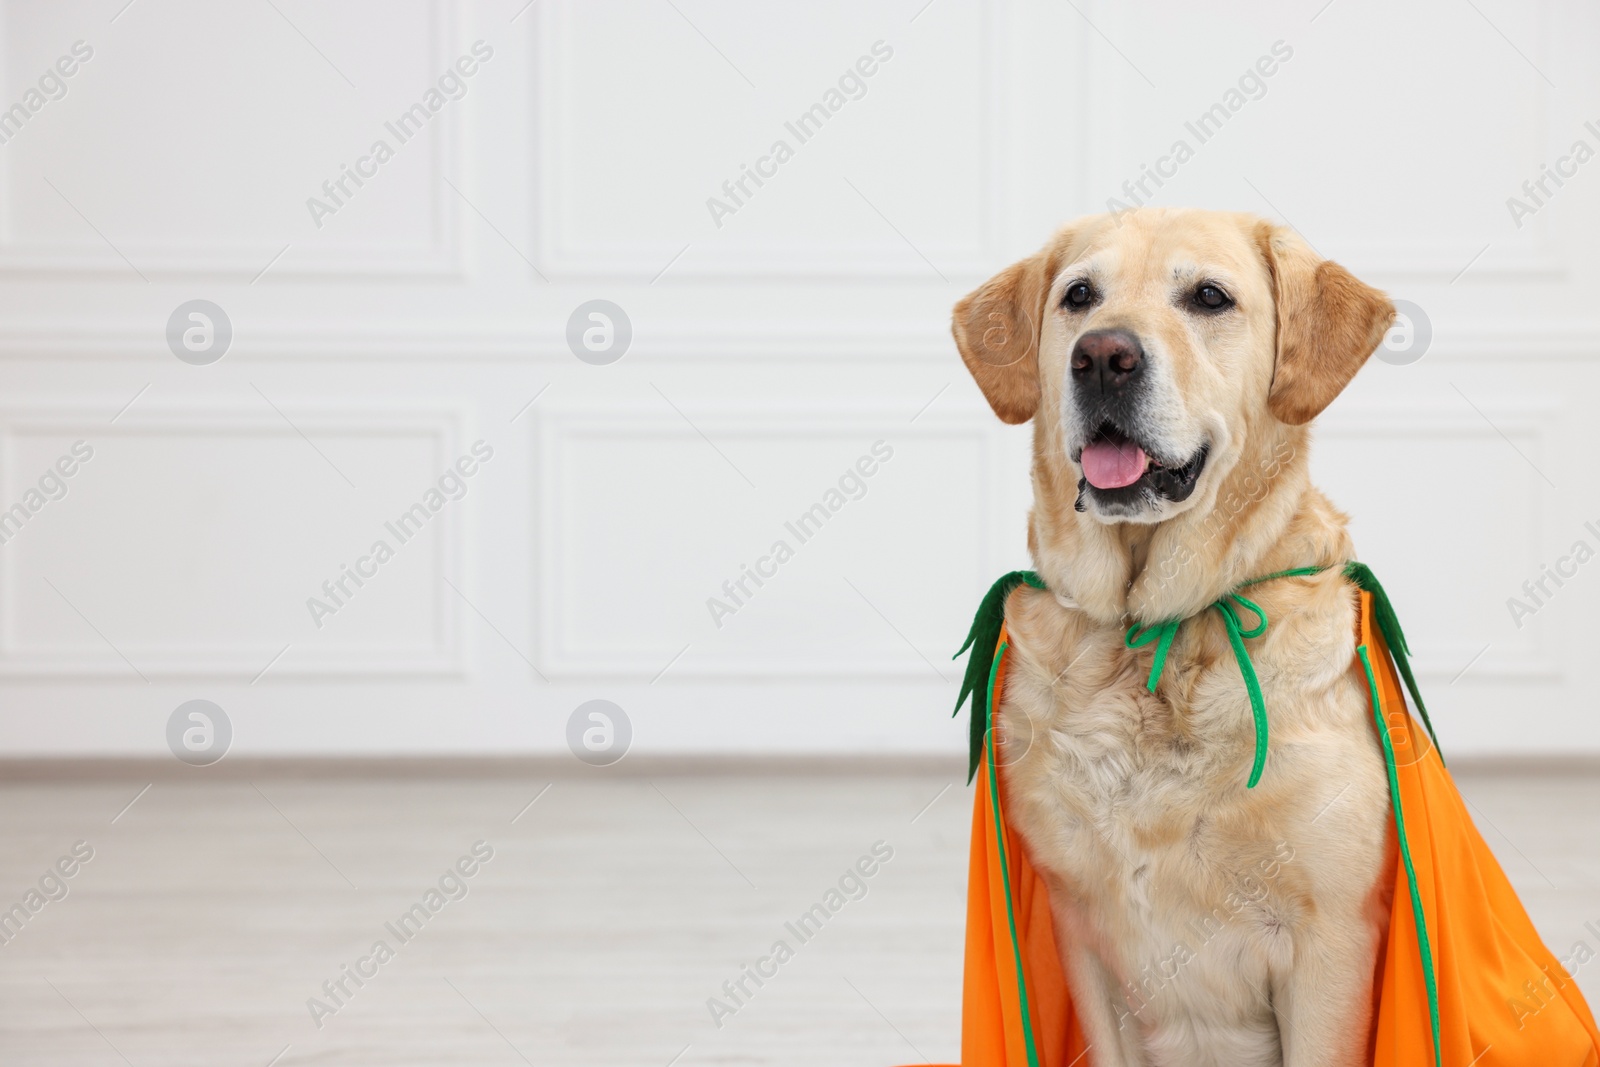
(1463, 978)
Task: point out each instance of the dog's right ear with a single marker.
(1328, 324)
(996, 327)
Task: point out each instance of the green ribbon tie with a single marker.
(1228, 606)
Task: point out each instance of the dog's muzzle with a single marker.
(1109, 383)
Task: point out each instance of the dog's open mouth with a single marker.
(1117, 466)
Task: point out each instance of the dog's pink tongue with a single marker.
(1109, 465)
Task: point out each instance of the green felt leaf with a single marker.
(1389, 625)
(983, 639)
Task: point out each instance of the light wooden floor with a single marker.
(611, 910)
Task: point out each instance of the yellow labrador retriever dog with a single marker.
(1170, 361)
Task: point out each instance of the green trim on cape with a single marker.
(1030, 1044)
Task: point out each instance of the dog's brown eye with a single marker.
(1077, 296)
(1211, 298)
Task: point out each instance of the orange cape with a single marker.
(1463, 978)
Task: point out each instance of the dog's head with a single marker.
(1160, 354)
(1151, 346)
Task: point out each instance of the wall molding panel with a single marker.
(302, 652)
(563, 262)
(297, 252)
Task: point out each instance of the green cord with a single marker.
(1005, 869)
(1417, 914)
(1228, 605)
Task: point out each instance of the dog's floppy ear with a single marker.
(996, 327)
(1329, 322)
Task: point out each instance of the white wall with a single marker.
(768, 353)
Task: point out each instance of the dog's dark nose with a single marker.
(1105, 361)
